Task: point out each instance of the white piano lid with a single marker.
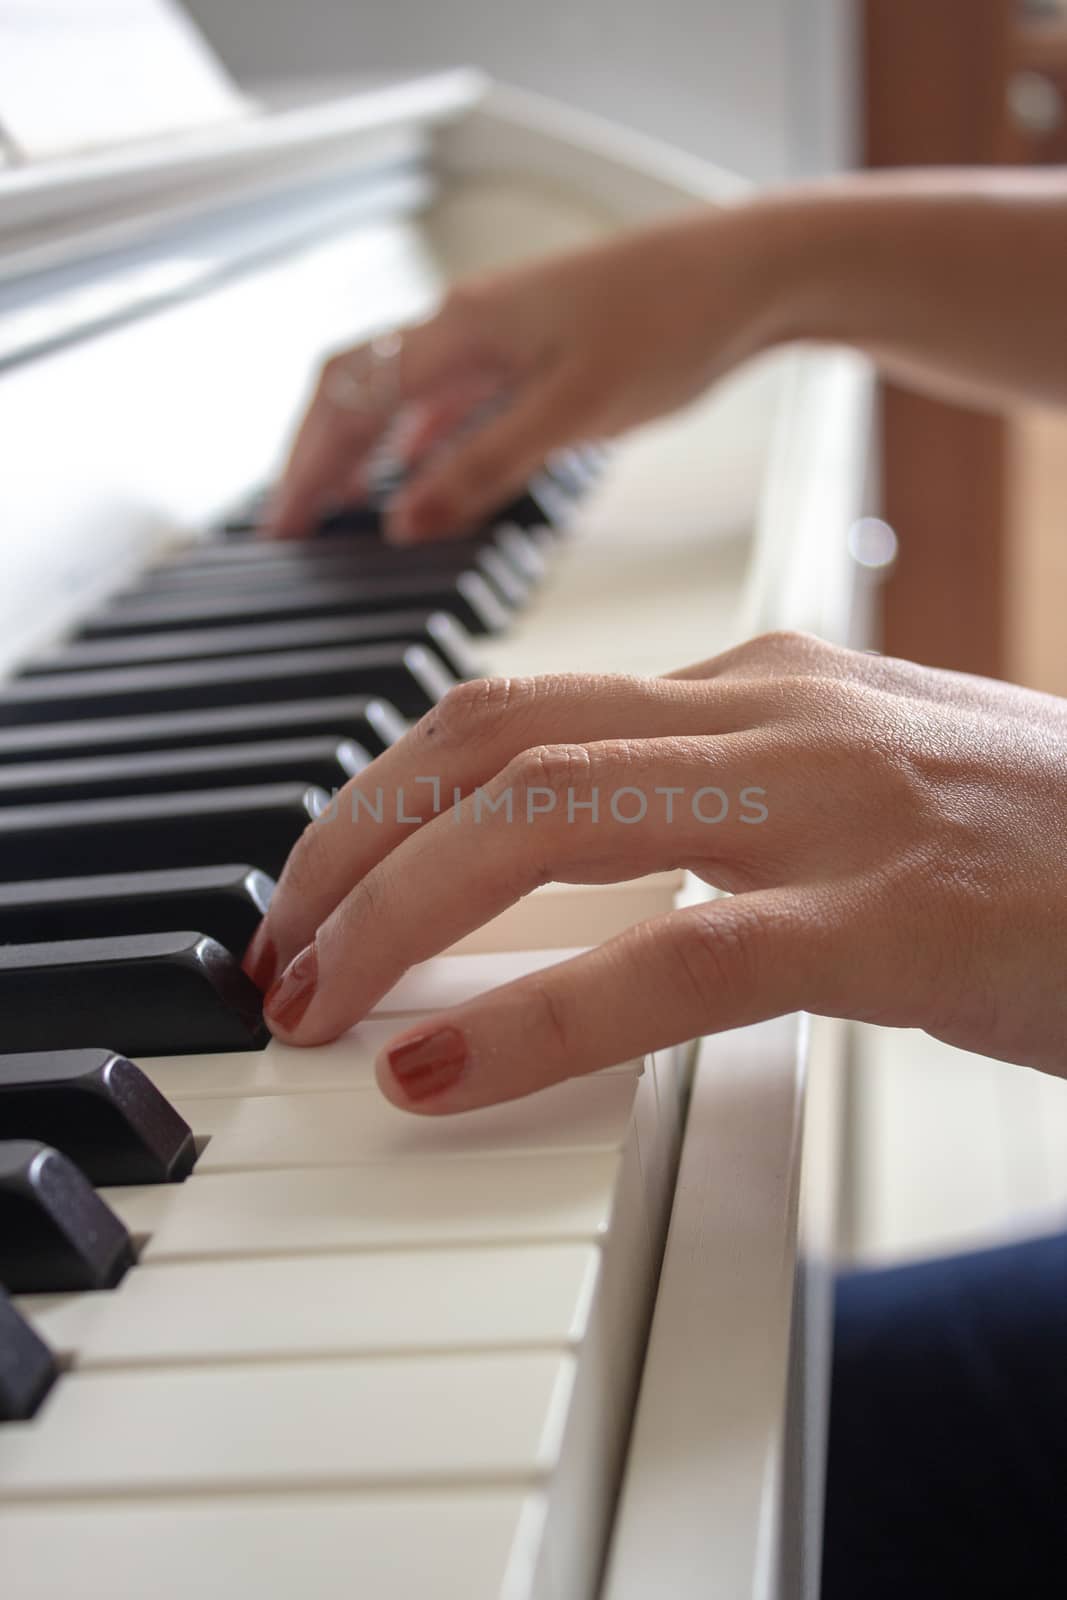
(77, 75)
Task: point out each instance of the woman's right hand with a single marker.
(579, 346)
(891, 839)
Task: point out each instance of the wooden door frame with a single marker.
(935, 81)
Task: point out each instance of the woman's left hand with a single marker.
(892, 838)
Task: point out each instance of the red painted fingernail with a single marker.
(426, 1064)
(261, 959)
(289, 998)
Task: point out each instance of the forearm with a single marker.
(954, 281)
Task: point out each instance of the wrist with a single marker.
(802, 249)
(760, 272)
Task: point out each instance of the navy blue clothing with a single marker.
(947, 1469)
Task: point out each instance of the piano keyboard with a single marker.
(379, 1350)
(351, 1352)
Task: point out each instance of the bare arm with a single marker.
(955, 281)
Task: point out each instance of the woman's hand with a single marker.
(892, 837)
(952, 280)
(581, 346)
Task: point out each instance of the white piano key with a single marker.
(343, 1129)
(337, 1305)
(490, 1418)
(448, 1545)
(491, 1200)
(384, 1544)
(562, 915)
(347, 1063)
(452, 980)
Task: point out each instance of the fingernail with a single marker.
(289, 998)
(426, 1064)
(261, 959)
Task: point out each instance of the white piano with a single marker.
(573, 1346)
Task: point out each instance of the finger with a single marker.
(333, 441)
(413, 434)
(331, 448)
(465, 741)
(441, 416)
(455, 491)
(693, 972)
(599, 813)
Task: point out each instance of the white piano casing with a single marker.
(724, 521)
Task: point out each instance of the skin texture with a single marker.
(909, 869)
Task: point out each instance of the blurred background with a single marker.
(763, 87)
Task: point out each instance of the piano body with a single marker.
(574, 1345)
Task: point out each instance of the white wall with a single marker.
(761, 86)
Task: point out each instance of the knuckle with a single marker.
(783, 651)
(477, 710)
(369, 903)
(549, 1019)
(621, 758)
(790, 643)
(562, 769)
(787, 642)
(779, 651)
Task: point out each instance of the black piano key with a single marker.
(547, 500)
(523, 551)
(544, 503)
(328, 763)
(225, 902)
(261, 565)
(572, 469)
(468, 597)
(366, 520)
(28, 1368)
(247, 514)
(434, 630)
(98, 1109)
(134, 834)
(407, 675)
(56, 1234)
(357, 556)
(374, 724)
(155, 994)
